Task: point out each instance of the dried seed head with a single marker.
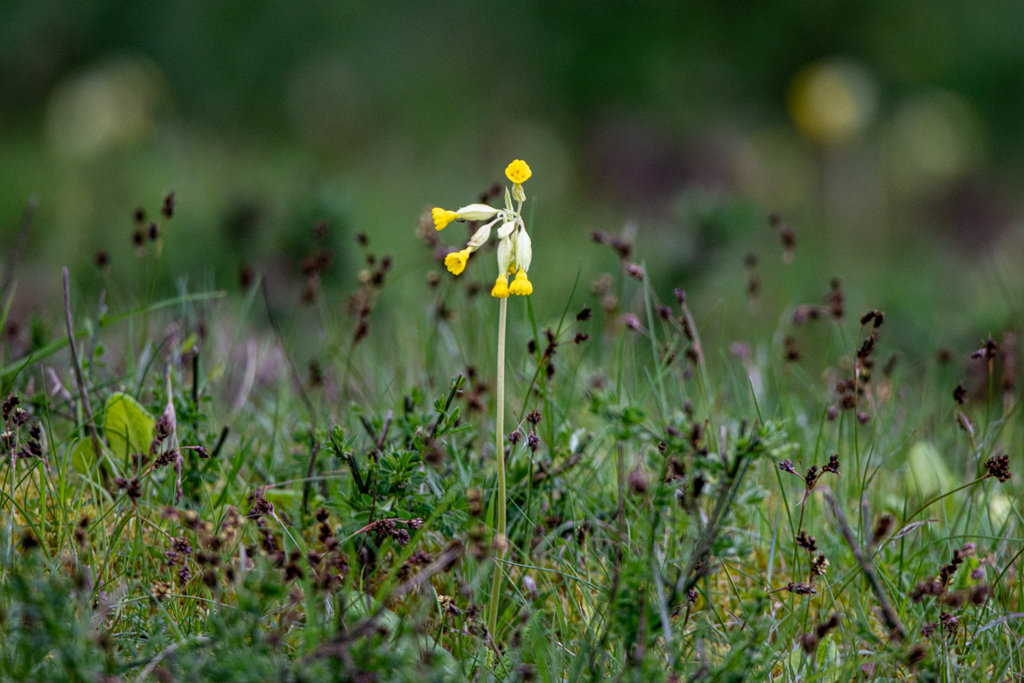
(956, 599)
(998, 466)
(259, 505)
(8, 405)
(809, 643)
(807, 542)
(916, 653)
(474, 502)
(161, 590)
(532, 442)
(835, 299)
(811, 478)
(882, 528)
(632, 322)
(825, 627)
(949, 623)
(638, 481)
(168, 206)
(979, 594)
(181, 545)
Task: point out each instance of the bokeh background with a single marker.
(889, 136)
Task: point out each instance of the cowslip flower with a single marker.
(515, 251)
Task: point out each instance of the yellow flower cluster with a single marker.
(515, 250)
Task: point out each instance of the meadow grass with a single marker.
(794, 506)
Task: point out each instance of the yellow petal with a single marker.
(455, 262)
(520, 285)
(442, 217)
(500, 290)
(518, 172)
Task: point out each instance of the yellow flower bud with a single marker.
(455, 262)
(518, 172)
(500, 290)
(520, 285)
(442, 217)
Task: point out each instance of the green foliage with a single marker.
(674, 513)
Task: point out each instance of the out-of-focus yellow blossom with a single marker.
(515, 250)
(500, 289)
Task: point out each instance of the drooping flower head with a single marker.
(515, 250)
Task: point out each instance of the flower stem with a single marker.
(499, 437)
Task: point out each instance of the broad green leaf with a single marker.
(83, 456)
(283, 499)
(129, 428)
(927, 473)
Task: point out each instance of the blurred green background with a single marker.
(889, 135)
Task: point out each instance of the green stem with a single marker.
(499, 437)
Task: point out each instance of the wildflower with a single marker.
(455, 262)
(472, 212)
(514, 254)
(518, 172)
(521, 286)
(515, 250)
(500, 289)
